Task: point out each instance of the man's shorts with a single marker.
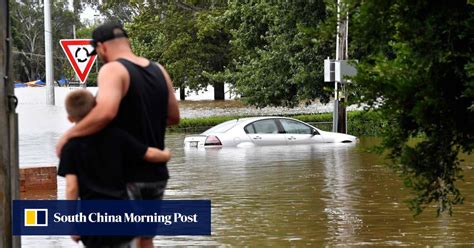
(130, 244)
(147, 190)
(109, 241)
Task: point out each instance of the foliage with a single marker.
(366, 123)
(126, 11)
(190, 42)
(416, 69)
(416, 66)
(112, 10)
(323, 117)
(361, 123)
(272, 52)
(187, 37)
(28, 36)
(200, 124)
(277, 51)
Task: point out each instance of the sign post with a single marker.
(78, 53)
(9, 183)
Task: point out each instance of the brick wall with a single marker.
(38, 178)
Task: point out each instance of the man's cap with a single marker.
(105, 32)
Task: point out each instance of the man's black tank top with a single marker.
(142, 113)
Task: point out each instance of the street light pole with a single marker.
(48, 46)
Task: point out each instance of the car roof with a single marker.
(242, 122)
(247, 120)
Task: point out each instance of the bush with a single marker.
(365, 123)
(360, 123)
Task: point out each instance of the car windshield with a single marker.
(222, 128)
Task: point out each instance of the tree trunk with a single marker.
(219, 93)
(341, 125)
(182, 94)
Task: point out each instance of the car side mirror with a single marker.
(315, 132)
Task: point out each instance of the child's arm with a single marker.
(72, 189)
(155, 155)
(137, 151)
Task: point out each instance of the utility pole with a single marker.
(340, 114)
(335, 70)
(9, 185)
(48, 46)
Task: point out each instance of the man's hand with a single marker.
(61, 142)
(166, 155)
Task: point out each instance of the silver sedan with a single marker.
(261, 131)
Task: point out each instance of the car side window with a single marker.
(249, 128)
(295, 127)
(265, 126)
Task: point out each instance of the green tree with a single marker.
(62, 20)
(190, 41)
(278, 51)
(416, 68)
(28, 37)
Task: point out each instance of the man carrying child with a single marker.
(95, 166)
(135, 95)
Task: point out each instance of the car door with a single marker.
(299, 133)
(265, 132)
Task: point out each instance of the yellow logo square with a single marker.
(36, 217)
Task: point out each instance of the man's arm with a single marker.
(72, 188)
(113, 81)
(155, 155)
(173, 109)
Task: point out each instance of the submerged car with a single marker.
(260, 131)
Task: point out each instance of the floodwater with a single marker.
(281, 196)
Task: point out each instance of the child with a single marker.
(95, 166)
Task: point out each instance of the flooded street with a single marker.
(280, 196)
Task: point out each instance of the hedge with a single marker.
(360, 123)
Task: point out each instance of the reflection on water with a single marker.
(341, 196)
(308, 195)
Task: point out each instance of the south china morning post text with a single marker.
(113, 217)
(98, 217)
